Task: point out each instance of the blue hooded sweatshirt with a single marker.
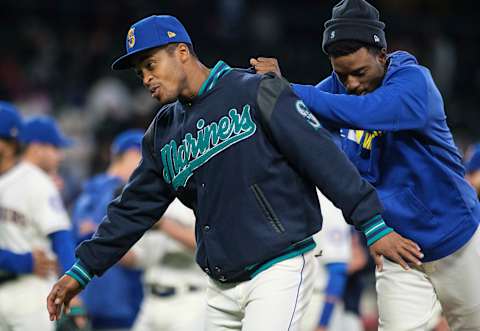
(398, 138)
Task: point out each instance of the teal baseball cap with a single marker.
(44, 129)
(148, 33)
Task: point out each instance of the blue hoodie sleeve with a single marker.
(16, 263)
(399, 104)
(141, 204)
(296, 132)
(64, 247)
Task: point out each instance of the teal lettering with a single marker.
(224, 128)
(180, 162)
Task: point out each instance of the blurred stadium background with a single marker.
(55, 58)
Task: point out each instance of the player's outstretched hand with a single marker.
(64, 290)
(397, 249)
(263, 65)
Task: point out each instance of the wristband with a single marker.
(375, 229)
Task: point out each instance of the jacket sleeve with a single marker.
(401, 103)
(141, 204)
(311, 151)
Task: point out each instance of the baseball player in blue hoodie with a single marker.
(395, 132)
(230, 144)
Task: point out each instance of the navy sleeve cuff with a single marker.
(80, 273)
(375, 229)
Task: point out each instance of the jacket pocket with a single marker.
(267, 209)
(409, 216)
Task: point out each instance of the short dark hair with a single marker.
(172, 46)
(346, 47)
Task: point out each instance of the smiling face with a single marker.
(162, 71)
(362, 71)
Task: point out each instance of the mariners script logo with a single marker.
(179, 162)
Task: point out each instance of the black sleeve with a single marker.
(141, 204)
(312, 152)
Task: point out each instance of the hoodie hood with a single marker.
(398, 60)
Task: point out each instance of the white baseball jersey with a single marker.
(30, 209)
(171, 263)
(334, 240)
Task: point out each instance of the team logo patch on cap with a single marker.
(131, 37)
(171, 34)
(332, 34)
(376, 39)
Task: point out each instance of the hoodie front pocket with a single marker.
(267, 209)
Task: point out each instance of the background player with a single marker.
(32, 219)
(174, 282)
(472, 168)
(334, 251)
(113, 300)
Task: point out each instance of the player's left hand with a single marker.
(397, 249)
(61, 295)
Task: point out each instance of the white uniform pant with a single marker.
(180, 312)
(408, 300)
(274, 300)
(23, 304)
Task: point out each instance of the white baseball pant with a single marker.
(408, 300)
(274, 300)
(23, 304)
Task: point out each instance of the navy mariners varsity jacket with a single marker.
(246, 156)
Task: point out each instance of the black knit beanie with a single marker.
(354, 20)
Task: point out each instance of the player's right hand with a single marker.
(64, 290)
(397, 249)
(43, 266)
(263, 65)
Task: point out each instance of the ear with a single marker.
(183, 52)
(382, 57)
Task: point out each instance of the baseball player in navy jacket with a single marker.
(395, 132)
(233, 147)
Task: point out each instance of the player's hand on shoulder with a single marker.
(61, 295)
(397, 249)
(263, 65)
(43, 265)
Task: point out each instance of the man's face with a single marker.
(50, 158)
(131, 159)
(360, 72)
(162, 73)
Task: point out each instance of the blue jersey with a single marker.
(398, 138)
(113, 300)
